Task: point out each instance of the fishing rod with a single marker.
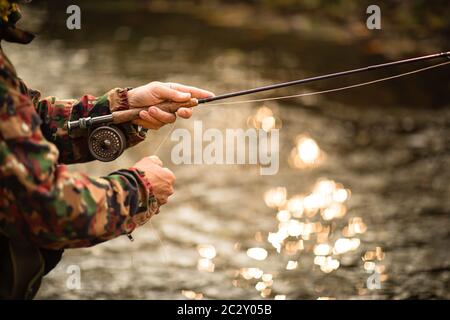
(107, 141)
(327, 76)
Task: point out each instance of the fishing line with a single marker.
(330, 90)
(165, 138)
(173, 125)
(165, 254)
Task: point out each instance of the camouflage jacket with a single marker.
(40, 200)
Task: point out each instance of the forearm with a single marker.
(74, 147)
(55, 208)
(80, 211)
(45, 203)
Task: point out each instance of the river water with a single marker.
(359, 208)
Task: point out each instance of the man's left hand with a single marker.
(156, 92)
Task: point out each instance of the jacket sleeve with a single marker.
(42, 201)
(55, 113)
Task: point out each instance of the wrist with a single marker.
(147, 199)
(145, 189)
(131, 97)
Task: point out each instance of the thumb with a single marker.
(164, 92)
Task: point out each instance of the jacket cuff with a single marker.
(147, 200)
(118, 99)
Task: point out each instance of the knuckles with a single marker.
(169, 175)
(155, 84)
(162, 201)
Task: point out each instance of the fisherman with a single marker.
(44, 208)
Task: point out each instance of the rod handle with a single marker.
(132, 114)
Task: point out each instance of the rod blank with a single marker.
(327, 76)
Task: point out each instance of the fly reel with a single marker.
(106, 143)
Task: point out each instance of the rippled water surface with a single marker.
(362, 191)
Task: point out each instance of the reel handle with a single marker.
(132, 114)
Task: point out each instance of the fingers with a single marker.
(163, 195)
(195, 92)
(148, 121)
(160, 115)
(165, 92)
(161, 179)
(155, 118)
(170, 176)
(184, 113)
(156, 160)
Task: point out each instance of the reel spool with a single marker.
(106, 143)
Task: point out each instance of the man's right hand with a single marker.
(161, 179)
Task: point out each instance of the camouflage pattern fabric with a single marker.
(40, 200)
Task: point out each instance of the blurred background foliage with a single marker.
(419, 19)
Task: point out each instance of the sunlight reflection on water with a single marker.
(309, 224)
